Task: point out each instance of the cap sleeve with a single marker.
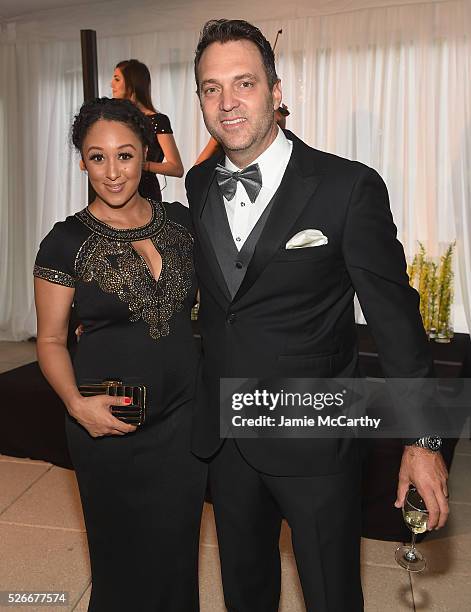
(162, 124)
(55, 258)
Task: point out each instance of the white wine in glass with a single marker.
(415, 516)
(416, 521)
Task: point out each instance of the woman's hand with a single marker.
(94, 414)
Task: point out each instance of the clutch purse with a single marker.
(134, 413)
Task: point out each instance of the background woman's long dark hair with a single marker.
(137, 81)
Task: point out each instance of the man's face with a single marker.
(237, 104)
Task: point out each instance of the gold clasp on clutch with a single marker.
(113, 383)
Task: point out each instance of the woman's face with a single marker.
(112, 155)
(118, 84)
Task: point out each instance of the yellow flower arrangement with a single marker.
(434, 283)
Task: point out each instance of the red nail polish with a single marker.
(127, 400)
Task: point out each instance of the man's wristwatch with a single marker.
(431, 443)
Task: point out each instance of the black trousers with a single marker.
(324, 515)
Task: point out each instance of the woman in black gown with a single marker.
(125, 263)
(131, 80)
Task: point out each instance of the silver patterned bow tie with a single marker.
(250, 177)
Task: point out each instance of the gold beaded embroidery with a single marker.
(54, 276)
(109, 258)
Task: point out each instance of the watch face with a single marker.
(434, 443)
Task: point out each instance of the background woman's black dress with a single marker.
(142, 493)
(149, 186)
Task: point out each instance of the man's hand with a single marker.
(427, 471)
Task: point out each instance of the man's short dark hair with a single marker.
(226, 30)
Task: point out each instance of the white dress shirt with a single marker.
(242, 214)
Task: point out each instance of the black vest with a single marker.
(233, 263)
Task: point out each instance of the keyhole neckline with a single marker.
(146, 264)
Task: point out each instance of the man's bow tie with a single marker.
(250, 177)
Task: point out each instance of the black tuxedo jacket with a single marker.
(293, 314)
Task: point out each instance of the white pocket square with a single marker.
(307, 238)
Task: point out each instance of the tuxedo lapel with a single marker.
(297, 187)
(203, 235)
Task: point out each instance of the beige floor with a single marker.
(43, 544)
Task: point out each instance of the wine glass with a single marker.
(415, 515)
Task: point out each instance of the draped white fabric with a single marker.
(387, 86)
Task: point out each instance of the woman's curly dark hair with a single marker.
(110, 109)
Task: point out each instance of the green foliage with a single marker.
(434, 283)
(445, 292)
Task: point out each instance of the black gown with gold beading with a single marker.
(142, 493)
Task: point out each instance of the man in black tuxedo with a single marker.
(269, 310)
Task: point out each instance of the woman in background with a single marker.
(131, 80)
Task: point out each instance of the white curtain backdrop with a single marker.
(389, 86)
